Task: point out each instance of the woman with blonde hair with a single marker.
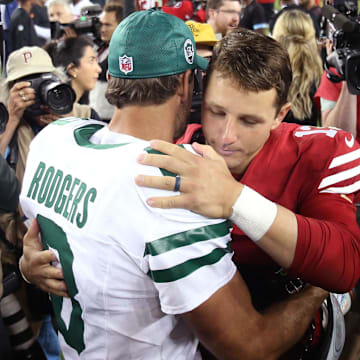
(295, 31)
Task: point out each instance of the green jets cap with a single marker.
(151, 43)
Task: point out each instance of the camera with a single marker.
(51, 92)
(341, 25)
(88, 23)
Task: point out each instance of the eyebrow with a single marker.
(240, 117)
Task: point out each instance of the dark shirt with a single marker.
(103, 61)
(253, 17)
(316, 21)
(22, 31)
(40, 16)
(9, 187)
(315, 118)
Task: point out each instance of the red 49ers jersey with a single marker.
(314, 172)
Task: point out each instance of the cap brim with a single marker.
(202, 62)
(30, 71)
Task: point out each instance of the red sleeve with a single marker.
(327, 89)
(328, 247)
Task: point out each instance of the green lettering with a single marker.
(70, 196)
(34, 186)
(44, 189)
(60, 202)
(55, 184)
(92, 192)
(80, 193)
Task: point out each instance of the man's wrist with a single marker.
(253, 213)
(22, 275)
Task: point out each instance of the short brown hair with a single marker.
(216, 4)
(117, 9)
(254, 61)
(154, 91)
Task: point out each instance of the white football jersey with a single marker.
(129, 268)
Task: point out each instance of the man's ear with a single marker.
(281, 115)
(186, 81)
(107, 75)
(211, 13)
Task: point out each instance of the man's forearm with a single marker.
(272, 227)
(343, 115)
(238, 331)
(288, 320)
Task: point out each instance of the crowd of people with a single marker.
(215, 125)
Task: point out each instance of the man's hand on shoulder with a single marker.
(206, 185)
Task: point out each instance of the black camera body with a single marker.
(50, 92)
(341, 25)
(88, 23)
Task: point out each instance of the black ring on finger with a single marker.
(177, 183)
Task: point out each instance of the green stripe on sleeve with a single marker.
(182, 270)
(189, 237)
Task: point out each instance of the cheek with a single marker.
(211, 130)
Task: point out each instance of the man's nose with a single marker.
(229, 134)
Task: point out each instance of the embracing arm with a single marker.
(238, 331)
(35, 264)
(288, 238)
(203, 180)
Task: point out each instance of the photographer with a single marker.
(31, 79)
(339, 108)
(338, 91)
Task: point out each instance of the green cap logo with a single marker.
(189, 51)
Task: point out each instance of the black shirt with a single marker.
(296, 7)
(252, 16)
(22, 31)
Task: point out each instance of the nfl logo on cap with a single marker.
(126, 64)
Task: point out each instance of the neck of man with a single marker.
(146, 122)
(211, 22)
(26, 6)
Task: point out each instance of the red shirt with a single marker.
(308, 170)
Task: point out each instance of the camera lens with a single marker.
(60, 99)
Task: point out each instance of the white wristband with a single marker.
(253, 213)
(23, 276)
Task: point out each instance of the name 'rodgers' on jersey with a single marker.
(63, 193)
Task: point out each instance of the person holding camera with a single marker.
(35, 96)
(339, 108)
